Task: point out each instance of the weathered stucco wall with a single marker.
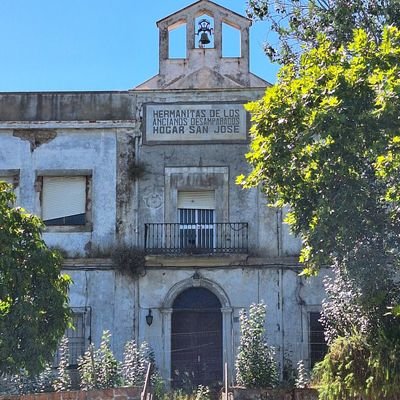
(267, 235)
(288, 298)
(133, 176)
(59, 106)
(69, 152)
(132, 184)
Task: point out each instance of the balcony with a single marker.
(193, 239)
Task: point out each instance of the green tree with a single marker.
(326, 141)
(297, 23)
(34, 310)
(255, 363)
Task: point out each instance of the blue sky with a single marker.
(93, 44)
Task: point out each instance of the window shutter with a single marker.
(63, 196)
(201, 200)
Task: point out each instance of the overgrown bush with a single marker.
(62, 381)
(199, 393)
(303, 377)
(359, 366)
(135, 363)
(364, 339)
(99, 368)
(255, 363)
(49, 380)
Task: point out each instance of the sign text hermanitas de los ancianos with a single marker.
(195, 122)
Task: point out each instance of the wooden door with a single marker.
(196, 341)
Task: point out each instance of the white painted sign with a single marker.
(195, 122)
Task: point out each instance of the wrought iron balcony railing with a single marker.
(203, 238)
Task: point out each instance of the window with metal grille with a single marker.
(317, 342)
(78, 335)
(196, 218)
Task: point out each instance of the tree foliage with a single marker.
(34, 310)
(255, 363)
(325, 142)
(297, 23)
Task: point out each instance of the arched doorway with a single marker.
(196, 339)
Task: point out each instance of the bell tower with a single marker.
(204, 65)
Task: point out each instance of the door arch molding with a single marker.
(227, 321)
(196, 281)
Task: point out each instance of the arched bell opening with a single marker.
(204, 32)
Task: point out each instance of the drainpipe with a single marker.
(279, 231)
(281, 302)
(136, 196)
(282, 321)
(136, 306)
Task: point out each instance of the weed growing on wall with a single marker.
(255, 363)
(129, 260)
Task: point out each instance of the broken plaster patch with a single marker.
(36, 137)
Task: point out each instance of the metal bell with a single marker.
(204, 39)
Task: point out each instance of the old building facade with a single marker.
(152, 171)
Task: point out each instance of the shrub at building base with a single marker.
(49, 380)
(360, 367)
(255, 363)
(238, 393)
(98, 369)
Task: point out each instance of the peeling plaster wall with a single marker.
(131, 181)
(63, 106)
(67, 151)
(123, 202)
(286, 316)
(110, 295)
(267, 235)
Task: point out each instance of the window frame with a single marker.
(86, 318)
(87, 174)
(13, 176)
(311, 343)
(197, 227)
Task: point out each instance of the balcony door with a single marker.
(196, 217)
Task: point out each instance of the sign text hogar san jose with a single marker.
(171, 122)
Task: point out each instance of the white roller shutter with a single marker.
(63, 196)
(201, 200)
